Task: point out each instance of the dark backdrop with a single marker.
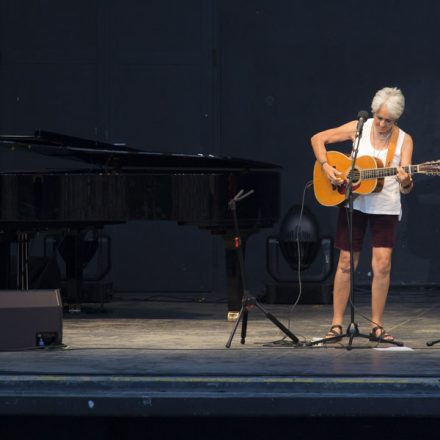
(243, 78)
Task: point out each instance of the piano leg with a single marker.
(233, 276)
(77, 251)
(5, 266)
(23, 261)
(70, 251)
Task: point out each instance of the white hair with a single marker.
(393, 98)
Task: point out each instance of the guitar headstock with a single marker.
(430, 168)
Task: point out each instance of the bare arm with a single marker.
(406, 183)
(320, 140)
(339, 134)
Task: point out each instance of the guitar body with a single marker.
(328, 194)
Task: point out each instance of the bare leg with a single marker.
(381, 264)
(341, 289)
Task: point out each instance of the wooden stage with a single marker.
(138, 358)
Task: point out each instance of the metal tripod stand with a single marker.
(249, 301)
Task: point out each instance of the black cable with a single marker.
(308, 185)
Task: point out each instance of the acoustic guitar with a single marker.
(368, 177)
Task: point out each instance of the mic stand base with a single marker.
(248, 303)
(431, 343)
(351, 333)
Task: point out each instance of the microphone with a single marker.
(362, 117)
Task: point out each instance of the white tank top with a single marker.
(386, 201)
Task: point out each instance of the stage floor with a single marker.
(141, 358)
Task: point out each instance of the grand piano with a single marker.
(117, 184)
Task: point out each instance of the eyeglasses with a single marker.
(387, 121)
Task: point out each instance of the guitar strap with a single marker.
(392, 146)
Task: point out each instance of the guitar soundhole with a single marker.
(356, 178)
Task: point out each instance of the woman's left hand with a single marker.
(403, 177)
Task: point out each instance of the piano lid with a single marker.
(119, 156)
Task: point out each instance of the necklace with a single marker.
(380, 141)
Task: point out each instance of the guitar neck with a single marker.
(378, 173)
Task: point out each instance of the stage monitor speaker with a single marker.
(30, 319)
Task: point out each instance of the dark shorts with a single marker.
(382, 229)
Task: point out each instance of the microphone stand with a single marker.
(249, 301)
(353, 328)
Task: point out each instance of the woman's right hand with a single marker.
(332, 174)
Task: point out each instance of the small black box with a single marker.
(30, 318)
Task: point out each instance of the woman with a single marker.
(381, 210)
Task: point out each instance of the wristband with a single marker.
(409, 184)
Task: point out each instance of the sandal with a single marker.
(378, 334)
(334, 332)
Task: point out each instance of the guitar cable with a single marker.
(308, 185)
